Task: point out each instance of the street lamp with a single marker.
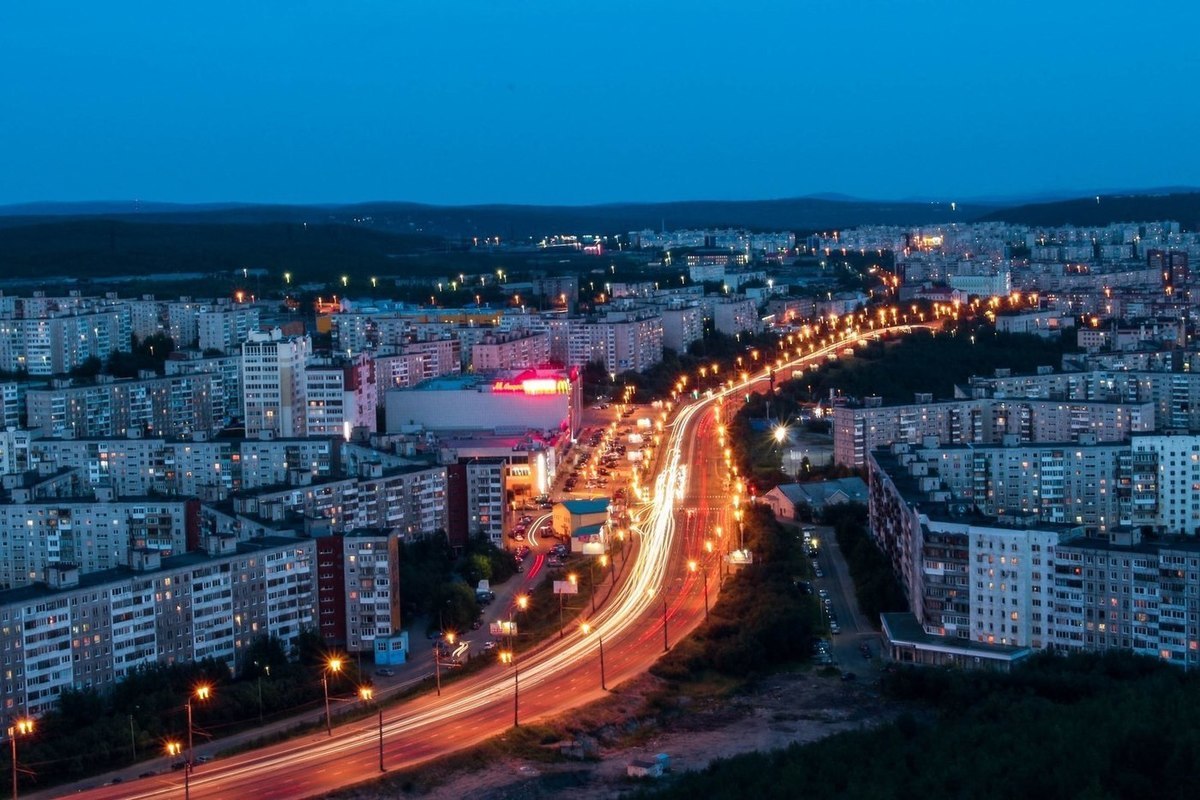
(574, 580)
(586, 629)
(174, 749)
(202, 693)
(666, 645)
(334, 665)
(510, 657)
(692, 566)
(366, 693)
(20, 727)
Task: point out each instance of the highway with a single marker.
(558, 675)
(655, 591)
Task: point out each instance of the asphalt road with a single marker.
(655, 591)
(656, 594)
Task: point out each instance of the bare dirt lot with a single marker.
(642, 719)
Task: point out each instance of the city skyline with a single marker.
(477, 104)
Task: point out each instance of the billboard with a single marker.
(566, 587)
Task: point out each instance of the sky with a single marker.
(519, 101)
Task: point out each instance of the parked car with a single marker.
(385, 673)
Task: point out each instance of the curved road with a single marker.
(654, 588)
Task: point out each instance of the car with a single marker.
(385, 673)
(434, 634)
(147, 774)
(490, 645)
(819, 573)
(848, 676)
(178, 764)
(203, 759)
(834, 629)
(823, 593)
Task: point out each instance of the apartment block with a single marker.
(93, 535)
(510, 351)
(859, 429)
(175, 405)
(225, 329)
(273, 383)
(80, 630)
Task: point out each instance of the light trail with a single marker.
(471, 706)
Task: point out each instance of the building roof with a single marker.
(113, 575)
(818, 493)
(594, 506)
(902, 628)
(587, 530)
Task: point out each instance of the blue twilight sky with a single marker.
(458, 101)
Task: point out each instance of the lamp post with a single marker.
(334, 665)
(692, 566)
(174, 749)
(586, 629)
(592, 582)
(522, 605)
(202, 693)
(20, 727)
(366, 693)
(437, 668)
(573, 579)
(510, 657)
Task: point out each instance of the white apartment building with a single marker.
(154, 610)
(92, 535)
(682, 326)
(372, 587)
(510, 351)
(621, 341)
(225, 329)
(732, 316)
(339, 396)
(174, 405)
(273, 383)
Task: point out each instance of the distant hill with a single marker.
(519, 223)
(1183, 207)
(102, 247)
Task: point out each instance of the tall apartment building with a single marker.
(227, 377)
(510, 351)
(54, 345)
(485, 498)
(410, 501)
(273, 383)
(983, 590)
(339, 396)
(225, 328)
(622, 341)
(858, 430)
(93, 535)
(682, 325)
(175, 405)
(208, 468)
(151, 610)
(1174, 393)
(732, 316)
(372, 587)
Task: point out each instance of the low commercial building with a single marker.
(542, 400)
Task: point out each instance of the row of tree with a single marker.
(763, 617)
